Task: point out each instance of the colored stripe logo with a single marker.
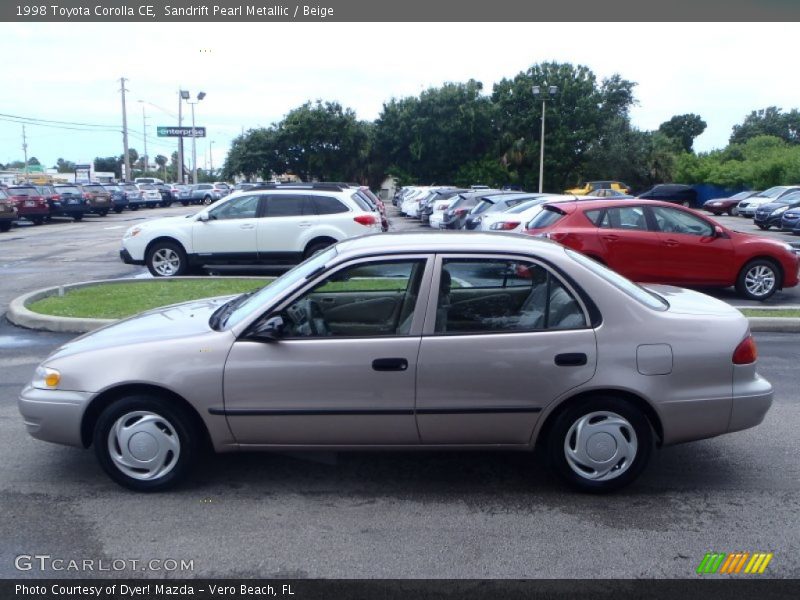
(734, 564)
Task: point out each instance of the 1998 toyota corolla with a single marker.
(410, 341)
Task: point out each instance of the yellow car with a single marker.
(590, 186)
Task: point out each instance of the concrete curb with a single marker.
(19, 314)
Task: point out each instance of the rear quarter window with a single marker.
(327, 205)
(547, 217)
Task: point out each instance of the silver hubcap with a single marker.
(166, 262)
(759, 280)
(600, 446)
(144, 445)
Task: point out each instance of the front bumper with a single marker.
(767, 220)
(126, 257)
(54, 415)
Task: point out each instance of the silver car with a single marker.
(405, 341)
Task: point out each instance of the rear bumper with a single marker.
(751, 401)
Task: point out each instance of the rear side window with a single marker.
(548, 216)
(288, 206)
(594, 216)
(327, 205)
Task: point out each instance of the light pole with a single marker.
(200, 96)
(144, 131)
(211, 157)
(552, 90)
(182, 95)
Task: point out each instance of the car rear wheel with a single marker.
(104, 212)
(145, 443)
(166, 259)
(207, 200)
(763, 226)
(600, 444)
(316, 248)
(184, 204)
(37, 220)
(118, 210)
(686, 203)
(77, 218)
(5, 225)
(733, 211)
(758, 279)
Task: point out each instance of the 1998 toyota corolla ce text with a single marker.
(410, 341)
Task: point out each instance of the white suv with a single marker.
(270, 226)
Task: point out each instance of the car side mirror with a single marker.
(719, 231)
(270, 330)
(203, 217)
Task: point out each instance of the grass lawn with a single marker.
(754, 312)
(119, 300)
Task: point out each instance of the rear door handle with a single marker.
(671, 243)
(571, 359)
(390, 364)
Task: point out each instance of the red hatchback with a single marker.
(659, 242)
(30, 203)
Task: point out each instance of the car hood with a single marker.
(689, 302)
(167, 323)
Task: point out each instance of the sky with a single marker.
(254, 73)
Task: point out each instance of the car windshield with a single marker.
(147, 186)
(741, 196)
(772, 192)
(635, 291)
(526, 205)
(788, 198)
(274, 289)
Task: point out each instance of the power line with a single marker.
(52, 121)
(27, 122)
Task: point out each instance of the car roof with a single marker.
(433, 241)
(569, 206)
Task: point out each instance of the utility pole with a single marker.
(25, 151)
(144, 130)
(126, 156)
(211, 157)
(180, 138)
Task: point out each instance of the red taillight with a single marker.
(365, 220)
(461, 211)
(505, 226)
(443, 207)
(57, 197)
(87, 196)
(746, 352)
(556, 236)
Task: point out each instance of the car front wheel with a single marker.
(733, 211)
(758, 280)
(145, 443)
(166, 259)
(600, 444)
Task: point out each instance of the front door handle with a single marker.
(671, 243)
(571, 359)
(611, 238)
(247, 226)
(390, 364)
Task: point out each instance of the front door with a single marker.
(229, 234)
(343, 373)
(503, 338)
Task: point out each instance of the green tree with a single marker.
(768, 121)
(575, 120)
(65, 166)
(109, 164)
(34, 161)
(684, 128)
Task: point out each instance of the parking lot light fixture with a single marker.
(538, 91)
(185, 95)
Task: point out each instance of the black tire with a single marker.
(747, 283)
(104, 212)
(733, 211)
(77, 218)
(37, 220)
(762, 227)
(717, 214)
(636, 428)
(5, 225)
(184, 204)
(167, 251)
(134, 207)
(207, 200)
(316, 247)
(118, 210)
(686, 203)
(171, 421)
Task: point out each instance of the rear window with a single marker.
(635, 291)
(482, 207)
(95, 187)
(547, 217)
(23, 191)
(67, 189)
(112, 188)
(129, 187)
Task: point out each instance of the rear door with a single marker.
(286, 218)
(630, 246)
(503, 337)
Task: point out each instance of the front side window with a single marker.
(243, 207)
(672, 220)
(374, 299)
(503, 296)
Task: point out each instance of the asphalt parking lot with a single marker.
(481, 514)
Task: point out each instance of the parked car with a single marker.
(139, 180)
(151, 195)
(604, 193)
(455, 216)
(677, 193)
(119, 199)
(272, 226)
(515, 218)
(747, 207)
(588, 188)
(204, 193)
(8, 211)
(165, 189)
(492, 203)
(655, 242)
(181, 193)
(98, 199)
(58, 206)
(790, 220)
(70, 203)
(770, 214)
(30, 204)
(133, 194)
(369, 344)
(377, 203)
(729, 205)
(244, 185)
(434, 201)
(223, 188)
